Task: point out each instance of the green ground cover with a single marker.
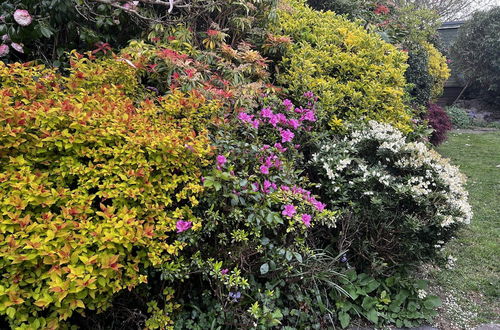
(470, 290)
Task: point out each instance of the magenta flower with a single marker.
(265, 147)
(309, 116)
(266, 113)
(221, 160)
(281, 118)
(224, 271)
(288, 104)
(22, 17)
(255, 123)
(5, 38)
(289, 210)
(243, 116)
(4, 50)
(183, 225)
(285, 188)
(280, 147)
(294, 123)
(309, 95)
(274, 120)
(319, 206)
(266, 185)
(264, 169)
(286, 136)
(306, 219)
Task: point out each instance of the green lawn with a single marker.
(470, 291)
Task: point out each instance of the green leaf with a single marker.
(344, 319)
(288, 255)
(372, 316)
(432, 302)
(264, 268)
(298, 256)
(11, 312)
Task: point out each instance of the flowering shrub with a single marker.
(355, 74)
(438, 69)
(405, 201)
(439, 121)
(260, 216)
(96, 186)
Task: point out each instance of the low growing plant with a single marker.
(459, 117)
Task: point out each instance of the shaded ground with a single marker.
(471, 290)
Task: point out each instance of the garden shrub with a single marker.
(403, 201)
(475, 52)
(420, 82)
(354, 73)
(438, 69)
(261, 214)
(458, 116)
(440, 122)
(97, 184)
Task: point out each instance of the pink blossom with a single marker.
(243, 116)
(309, 95)
(281, 118)
(266, 185)
(255, 186)
(4, 50)
(5, 38)
(274, 120)
(286, 136)
(183, 225)
(280, 147)
(309, 116)
(264, 169)
(319, 206)
(289, 210)
(224, 271)
(266, 113)
(294, 123)
(255, 123)
(288, 104)
(221, 160)
(265, 147)
(285, 188)
(306, 219)
(22, 17)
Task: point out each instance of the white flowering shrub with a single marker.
(402, 200)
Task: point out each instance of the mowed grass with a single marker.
(472, 287)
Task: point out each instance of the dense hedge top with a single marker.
(355, 74)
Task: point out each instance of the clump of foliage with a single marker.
(439, 121)
(420, 82)
(97, 184)
(354, 73)
(475, 52)
(395, 300)
(403, 200)
(46, 30)
(458, 116)
(438, 69)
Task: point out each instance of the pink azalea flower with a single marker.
(224, 271)
(285, 188)
(266, 113)
(4, 50)
(22, 17)
(309, 95)
(266, 185)
(221, 160)
(264, 169)
(319, 206)
(255, 123)
(286, 136)
(306, 219)
(288, 104)
(309, 116)
(183, 225)
(274, 120)
(289, 210)
(294, 123)
(280, 147)
(281, 118)
(5, 38)
(243, 116)
(265, 147)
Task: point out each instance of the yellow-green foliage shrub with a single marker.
(92, 185)
(438, 69)
(355, 74)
